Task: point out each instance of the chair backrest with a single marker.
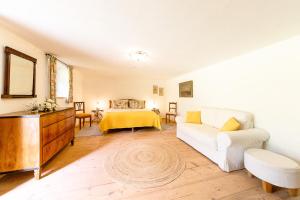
(79, 106)
(173, 107)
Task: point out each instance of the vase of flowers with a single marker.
(47, 106)
(33, 107)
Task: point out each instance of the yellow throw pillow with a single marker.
(231, 125)
(193, 117)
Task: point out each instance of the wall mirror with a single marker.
(19, 77)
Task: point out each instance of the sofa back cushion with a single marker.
(217, 117)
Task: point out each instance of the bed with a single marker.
(128, 113)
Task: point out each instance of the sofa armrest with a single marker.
(232, 145)
(244, 138)
(179, 119)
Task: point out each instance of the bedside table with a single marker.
(97, 115)
(156, 110)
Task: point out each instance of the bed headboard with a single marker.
(127, 103)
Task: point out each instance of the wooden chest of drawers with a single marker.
(28, 141)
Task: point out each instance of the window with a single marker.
(62, 80)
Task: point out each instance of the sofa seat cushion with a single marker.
(204, 134)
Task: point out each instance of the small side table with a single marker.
(97, 115)
(156, 110)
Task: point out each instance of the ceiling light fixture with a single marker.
(139, 56)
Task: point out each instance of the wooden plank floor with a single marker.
(77, 172)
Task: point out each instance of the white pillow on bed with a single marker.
(120, 104)
(136, 104)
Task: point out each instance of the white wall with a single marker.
(8, 38)
(265, 82)
(96, 87)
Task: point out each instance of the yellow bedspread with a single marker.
(113, 120)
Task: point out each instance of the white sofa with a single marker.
(224, 148)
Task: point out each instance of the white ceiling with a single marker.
(178, 35)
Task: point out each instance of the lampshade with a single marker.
(101, 104)
(150, 104)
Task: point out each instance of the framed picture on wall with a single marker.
(186, 89)
(161, 91)
(155, 89)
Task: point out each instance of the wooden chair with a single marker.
(172, 111)
(80, 107)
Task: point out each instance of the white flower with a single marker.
(48, 105)
(50, 101)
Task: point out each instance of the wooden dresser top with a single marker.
(29, 114)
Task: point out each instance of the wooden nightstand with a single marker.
(156, 110)
(97, 115)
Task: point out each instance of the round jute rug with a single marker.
(145, 164)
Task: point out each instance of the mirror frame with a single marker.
(8, 52)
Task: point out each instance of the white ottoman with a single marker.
(273, 169)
